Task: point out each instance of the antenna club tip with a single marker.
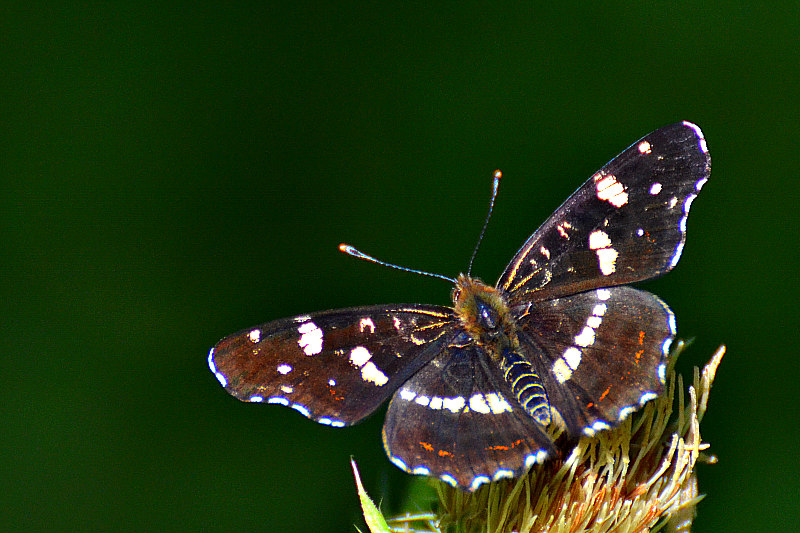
(343, 247)
(498, 174)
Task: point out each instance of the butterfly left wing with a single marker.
(457, 419)
(626, 223)
(335, 367)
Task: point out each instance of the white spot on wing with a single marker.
(545, 252)
(255, 335)
(701, 140)
(478, 404)
(399, 463)
(454, 404)
(406, 394)
(450, 480)
(625, 412)
(561, 371)
(310, 338)
(586, 337)
(301, 409)
(603, 294)
(572, 356)
(284, 369)
(688, 203)
(477, 481)
(422, 400)
(278, 400)
(367, 323)
(359, 356)
(610, 190)
(599, 239)
(666, 346)
(213, 367)
(646, 397)
(644, 147)
(607, 256)
(608, 260)
(562, 229)
(677, 254)
(503, 473)
(373, 374)
(497, 404)
(655, 188)
(535, 458)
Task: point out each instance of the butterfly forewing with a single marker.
(626, 223)
(458, 420)
(603, 353)
(335, 367)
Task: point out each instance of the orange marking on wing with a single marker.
(443, 453)
(505, 448)
(427, 446)
(605, 393)
(639, 356)
(641, 338)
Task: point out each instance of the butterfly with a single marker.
(560, 339)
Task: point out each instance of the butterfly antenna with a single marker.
(349, 250)
(495, 186)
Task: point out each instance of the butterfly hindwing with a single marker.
(626, 223)
(458, 420)
(603, 353)
(335, 367)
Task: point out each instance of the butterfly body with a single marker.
(559, 341)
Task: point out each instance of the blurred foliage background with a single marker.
(174, 172)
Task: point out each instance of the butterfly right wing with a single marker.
(335, 367)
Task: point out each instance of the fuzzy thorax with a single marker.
(484, 314)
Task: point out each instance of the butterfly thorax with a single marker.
(484, 315)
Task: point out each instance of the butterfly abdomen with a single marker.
(526, 384)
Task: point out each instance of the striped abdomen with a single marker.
(526, 385)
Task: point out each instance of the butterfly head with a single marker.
(484, 314)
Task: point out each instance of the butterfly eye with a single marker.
(487, 316)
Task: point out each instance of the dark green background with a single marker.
(173, 173)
